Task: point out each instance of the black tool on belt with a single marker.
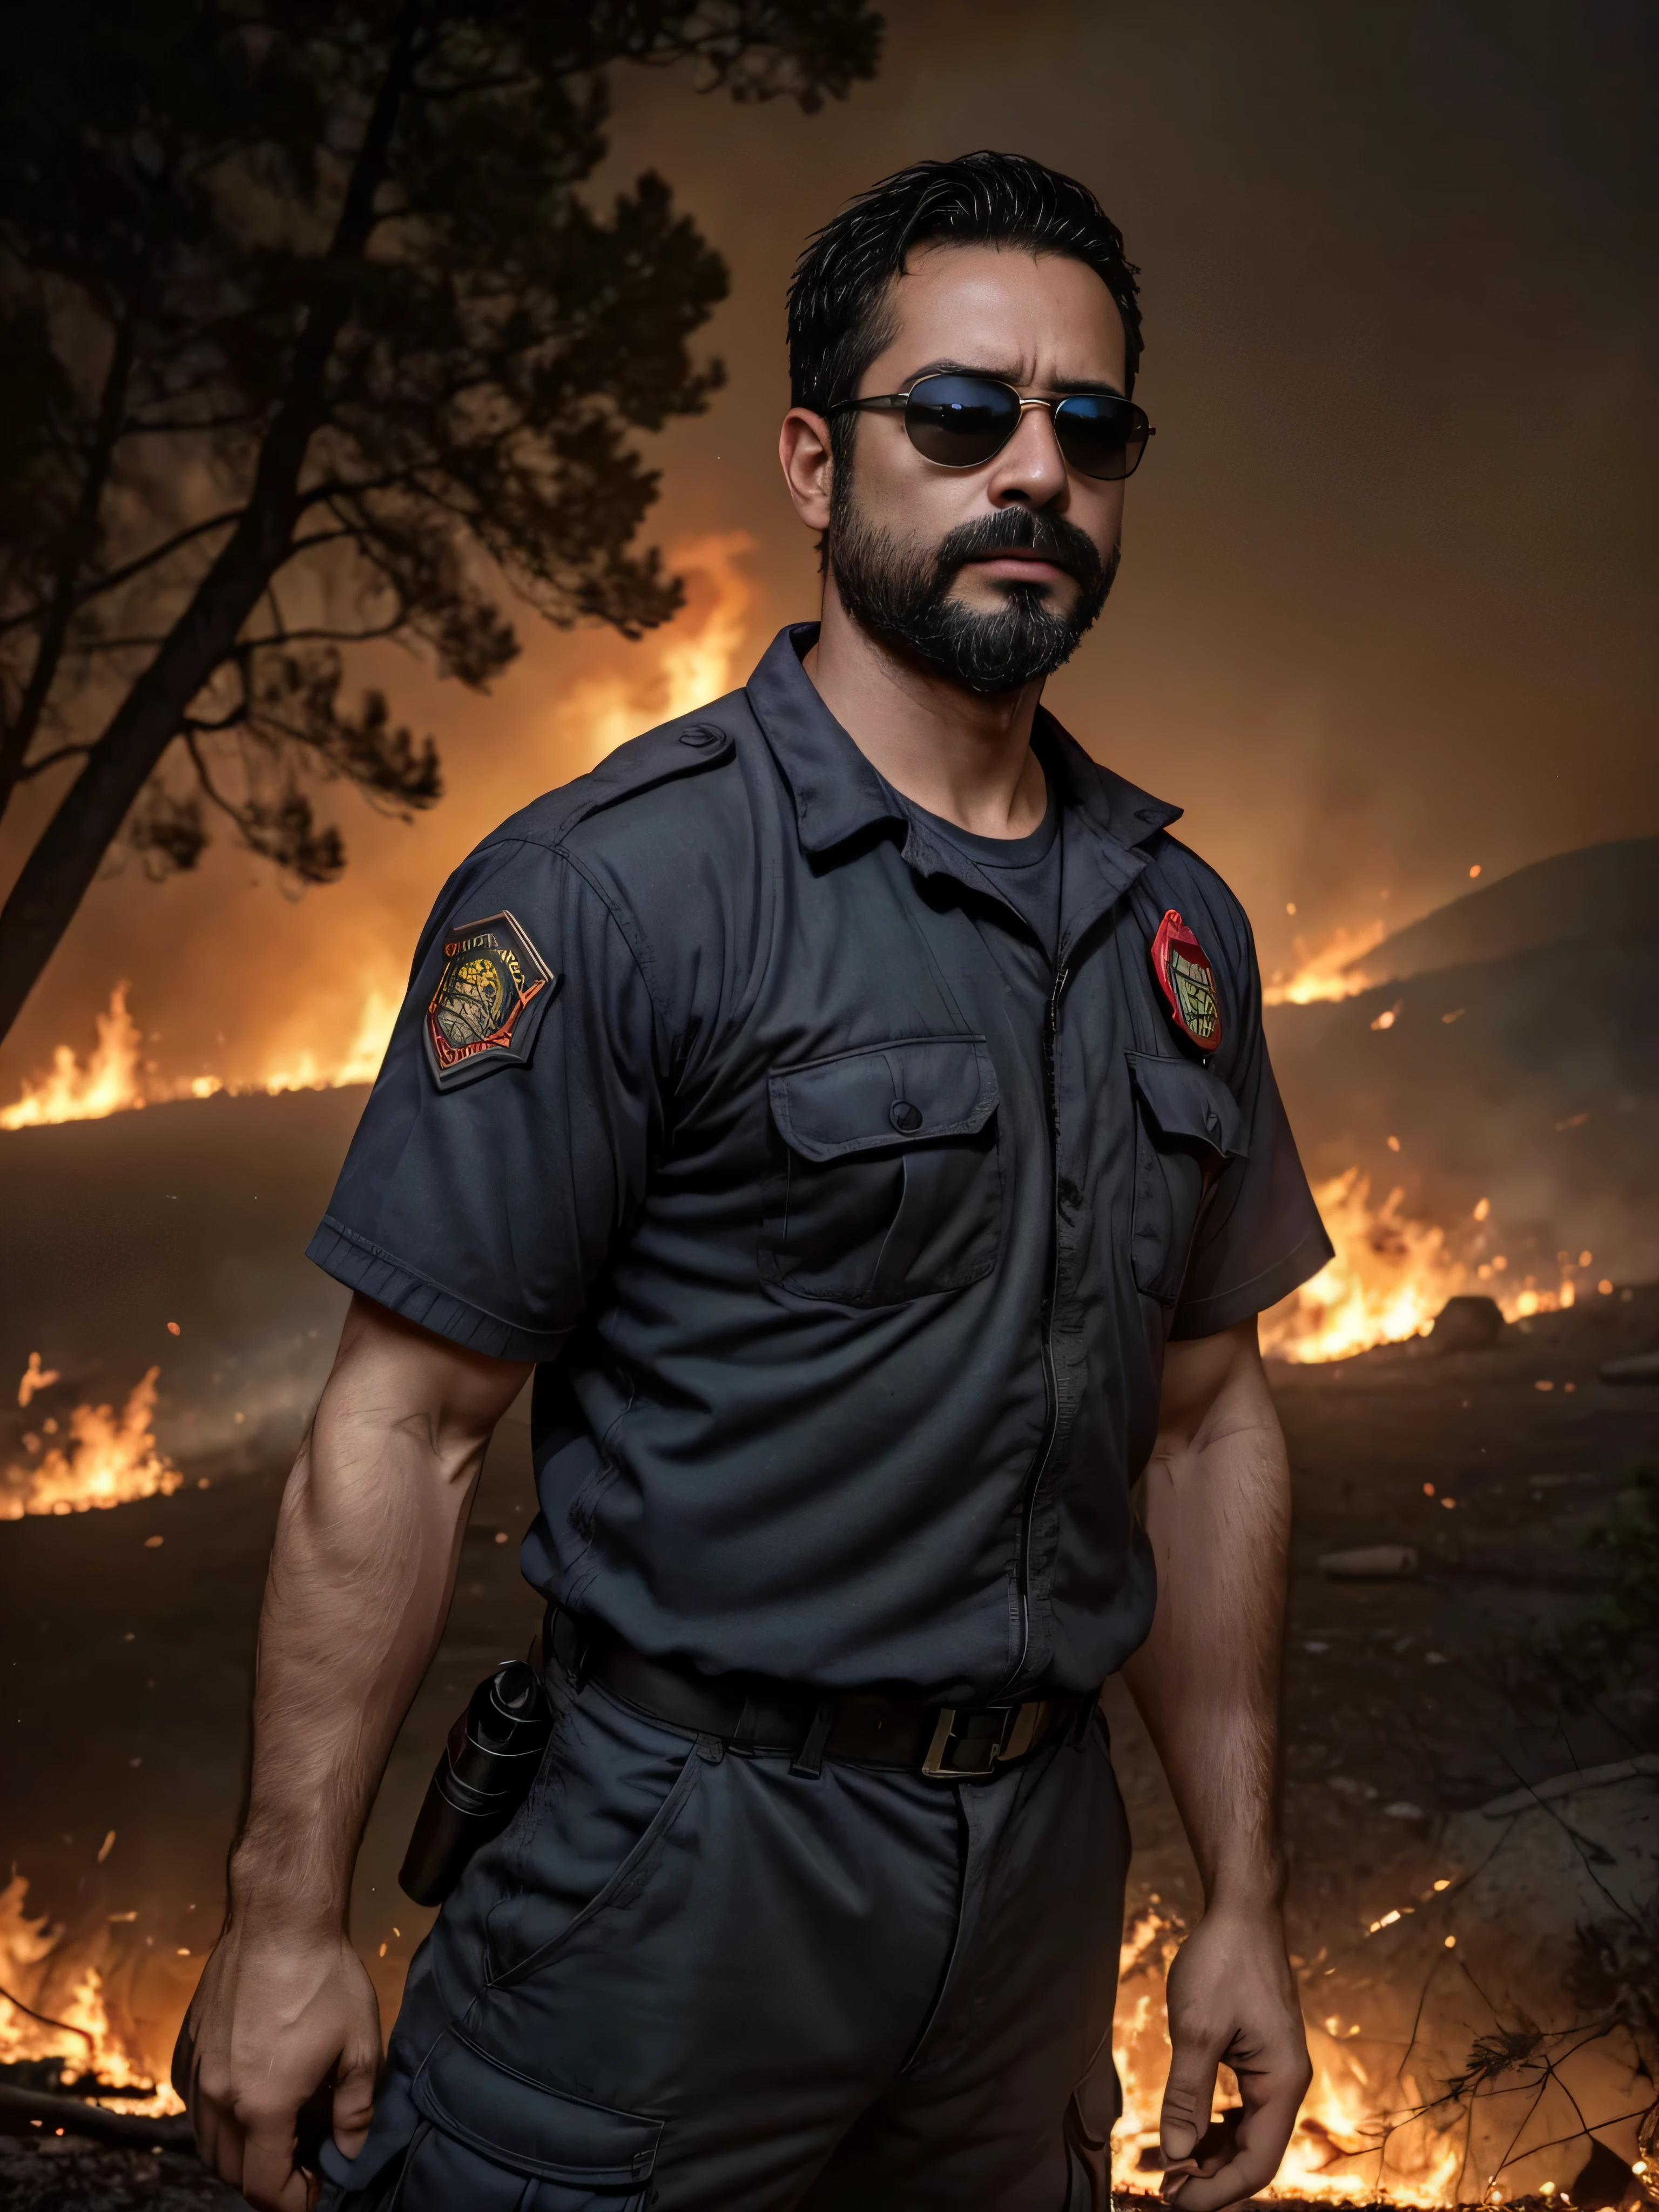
(496, 1747)
(482, 1779)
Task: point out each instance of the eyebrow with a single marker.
(1061, 384)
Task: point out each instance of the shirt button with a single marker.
(700, 737)
(904, 1116)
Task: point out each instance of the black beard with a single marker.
(902, 594)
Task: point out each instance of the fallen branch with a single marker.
(19, 2107)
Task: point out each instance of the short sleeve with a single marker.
(505, 1144)
(1260, 1233)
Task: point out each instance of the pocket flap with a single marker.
(1187, 1101)
(908, 1093)
(532, 2128)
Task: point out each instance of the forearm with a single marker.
(1216, 1511)
(360, 1583)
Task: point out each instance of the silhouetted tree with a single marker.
(308, 338)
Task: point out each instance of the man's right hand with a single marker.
(277, 2014)
(361, 1577)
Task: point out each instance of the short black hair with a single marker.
(840, 288)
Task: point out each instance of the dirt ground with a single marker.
(127, 1666)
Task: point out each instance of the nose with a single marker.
(1031, 470)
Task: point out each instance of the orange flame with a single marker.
(111, 1460)
(109, 1081)
(1323, 973)
(1390, 1277)
(1334, 2155)
(115, 1081)
(68, 1983)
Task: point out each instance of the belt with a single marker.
(751, 1713)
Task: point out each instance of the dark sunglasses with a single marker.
(962, 422)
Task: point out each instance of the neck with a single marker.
(967, 759)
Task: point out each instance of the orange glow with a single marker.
(693, 666)
(1334, 2154)
(1321, 974)
(112, 1459)
(70, 1983)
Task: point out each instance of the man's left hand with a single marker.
(1232, 2001)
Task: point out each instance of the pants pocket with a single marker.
(533, 1929)
(498, 2141)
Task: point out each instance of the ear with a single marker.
(804, 454)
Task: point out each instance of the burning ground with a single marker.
(1471, 1780)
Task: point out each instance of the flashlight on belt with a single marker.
(481, 1780)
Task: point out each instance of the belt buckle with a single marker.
(938, 1762)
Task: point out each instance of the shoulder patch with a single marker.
(490, 1001)
(1184, 975)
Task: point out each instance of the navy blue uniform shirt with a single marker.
(847, 1223)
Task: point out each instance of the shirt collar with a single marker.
(838, 792)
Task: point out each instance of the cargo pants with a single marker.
(687, 1978)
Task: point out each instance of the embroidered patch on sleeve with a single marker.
(1188, 981)
(490, 1001)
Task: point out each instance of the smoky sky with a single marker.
(1385, 609)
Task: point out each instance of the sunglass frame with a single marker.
(897, 402)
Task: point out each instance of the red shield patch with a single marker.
(1187, 982)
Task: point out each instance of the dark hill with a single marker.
(1597, 891)
(197, 1212)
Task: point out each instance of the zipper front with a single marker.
(1050, 1381)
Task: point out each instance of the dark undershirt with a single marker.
(1025, 870)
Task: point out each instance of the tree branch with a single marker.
(65, 857)
(185, 430)
(79, 539)
(116, 577)
(224, 805)
(30, 769)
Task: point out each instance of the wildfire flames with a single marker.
(1323, 974)
(116, 1080)
(66, 1983)
(1390, 1277)
(110, 1458)
(1335, 2153)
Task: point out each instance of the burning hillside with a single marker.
(1390, 1276)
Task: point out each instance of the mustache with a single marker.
(1024, 530)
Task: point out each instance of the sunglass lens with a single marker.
(960, 421)
(1101, 436)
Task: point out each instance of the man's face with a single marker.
(990, 574)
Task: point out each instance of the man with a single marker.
(855, 1104)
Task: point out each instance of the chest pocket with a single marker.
(1188, 1126)
(887, 1185)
